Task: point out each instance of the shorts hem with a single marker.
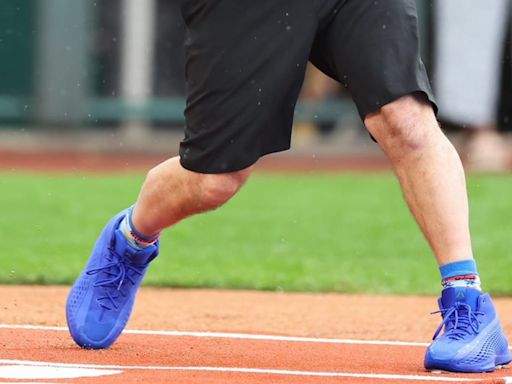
(363, 113)
(198, 168)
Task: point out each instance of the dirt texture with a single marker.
(387, 318)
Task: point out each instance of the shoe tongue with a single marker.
(450, 296)
(143, 256)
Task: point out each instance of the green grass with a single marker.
(347, 232)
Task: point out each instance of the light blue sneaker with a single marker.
(473, 340)
(101, 300)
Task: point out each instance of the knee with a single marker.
(192, 192)
(213, 190)
(404, 125)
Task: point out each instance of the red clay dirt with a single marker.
(387, 318)
(68, 161)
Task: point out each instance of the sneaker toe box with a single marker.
(98, 332)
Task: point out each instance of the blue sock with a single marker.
(136, 239)
(460, 274)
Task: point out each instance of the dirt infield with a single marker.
(207, 336)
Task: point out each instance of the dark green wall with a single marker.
(17, 43)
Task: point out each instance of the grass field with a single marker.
(345, 232)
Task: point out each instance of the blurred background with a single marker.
(98, 86)
(103, 75)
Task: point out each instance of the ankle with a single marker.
(134, 237)
(460, 274)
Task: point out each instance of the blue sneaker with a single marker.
(101, 300)
(473, 340)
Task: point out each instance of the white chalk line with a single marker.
(249, 371)
(242, 336)
(508, 380)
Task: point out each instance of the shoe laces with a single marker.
(117, 273)
(460, 321)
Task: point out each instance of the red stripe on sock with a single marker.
(144, 241)
(462, 277)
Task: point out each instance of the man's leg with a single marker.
(101, 300)
(433, 184)
(171, 193)
(240, 105)
(430, 174)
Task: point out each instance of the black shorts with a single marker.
(246, 59)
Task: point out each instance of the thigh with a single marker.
(245, 63)
(372, 48)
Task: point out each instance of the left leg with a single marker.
(433, 184)
(430, 174)
(372, 48)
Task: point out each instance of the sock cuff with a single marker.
(137, 234)
(458, 268)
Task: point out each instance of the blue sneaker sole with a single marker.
(500, 361)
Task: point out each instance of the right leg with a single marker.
(102, 298)
(171, 193)
(240, 105)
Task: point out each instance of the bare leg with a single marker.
(171, 193)
(430, 173)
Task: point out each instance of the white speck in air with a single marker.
(287, 14)
(288, 27)
(384, 26)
